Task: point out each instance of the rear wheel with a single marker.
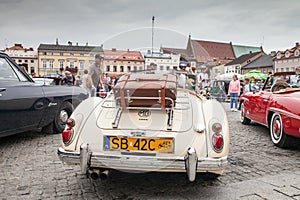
(279, 138)
(62, 116)
(244, 119)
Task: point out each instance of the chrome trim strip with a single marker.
(147, 163)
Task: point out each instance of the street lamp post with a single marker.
(152, 34)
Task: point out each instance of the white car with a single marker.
(192, 135)
(44, 81)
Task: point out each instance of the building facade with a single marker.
(56, 58)
(287, 60)
(25, 57)
(236, 66)
(211, 56)
(117, 62)
(264, 63)
(161, 62)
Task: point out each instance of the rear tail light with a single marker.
(217, 142)
(70, 123)
(67, 135)
(217, 127)
(217, 137)
(102, 93)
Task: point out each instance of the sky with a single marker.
(126, 24)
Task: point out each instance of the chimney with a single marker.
(250, 52)
(70, 43)
(86, 44)
(297, 44)
(114, 49)
(56, 41)
(273, 53)
(76, 43)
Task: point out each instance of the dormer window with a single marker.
(287, 54)
(278, 56)
(297, 52)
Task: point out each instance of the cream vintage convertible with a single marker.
(188, 134)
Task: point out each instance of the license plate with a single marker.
(164, 145)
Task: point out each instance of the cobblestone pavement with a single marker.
(30, 169)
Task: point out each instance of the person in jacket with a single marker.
(234, 92)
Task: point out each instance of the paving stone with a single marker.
(30, 169)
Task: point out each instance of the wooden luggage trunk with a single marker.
(146, 90)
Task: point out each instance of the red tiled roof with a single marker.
(207, 51)
(292, 50)
(175, 51)
(123, 55)
(243, 58)
(19, 47)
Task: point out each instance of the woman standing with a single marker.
(234, 92)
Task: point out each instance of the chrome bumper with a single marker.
(190, 163)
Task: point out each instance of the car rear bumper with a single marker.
(189, 163)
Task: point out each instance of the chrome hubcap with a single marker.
(276, 129)
(242, 113)
(63, 116)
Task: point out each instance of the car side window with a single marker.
(6, 72)
(9, 72)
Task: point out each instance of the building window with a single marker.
(71, 54)
(44, 53)
(277, 69)
(20, 61)
(293, 69)
(141, 67)
(135, 68)
(32, 61)
(61, 65)
(71, 64)
(51, 64)
(108, 68)
(81, 54)
(121, 68)
(161, 67)
(282, 69)
(287, 69)
(168, 68)
(51, 53)
(91, 55)
(115, 68)
(81, 65)
(31, 70)
(26, 61)
(61, 54)
(44, 64)
(128, 68)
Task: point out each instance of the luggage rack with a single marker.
(180, 105)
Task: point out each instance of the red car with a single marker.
(275, 106)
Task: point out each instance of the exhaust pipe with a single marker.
(104, 175)
(95, 174)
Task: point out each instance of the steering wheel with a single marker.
(279, 86)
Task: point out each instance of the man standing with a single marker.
(95, 73)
